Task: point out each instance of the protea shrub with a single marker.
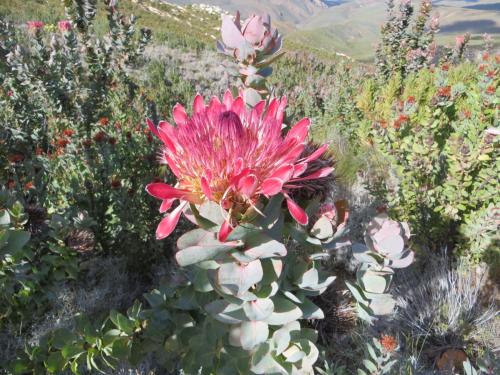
(235, 175)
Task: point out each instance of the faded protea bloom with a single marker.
(231, 155)
(254, 35)
(64, 26)
(35, 25)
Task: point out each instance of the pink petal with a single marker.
(179, 114)
(297, 212)
(166, 204)
(198, 104)
(169, 222)
(272, 109)
(231, 35)
(166, 133)
(299, 130)
(259, 108)
(248, 184)
(281, 110)
(163, 191)
(228, 100)
(224, 231)
(272, 186)
(152, 127)
(253, 29)
(238, 165)
(298, 169)
(205, 187)
(171, 163)
(323, 172)
(284, 172)
(316, 154)
(238, 106)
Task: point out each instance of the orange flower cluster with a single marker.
(389, 343)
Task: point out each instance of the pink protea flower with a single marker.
(35, 25)
(231, 155)
(64, 26)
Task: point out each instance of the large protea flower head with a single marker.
(231, 155)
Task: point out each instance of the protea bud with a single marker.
(254, 45)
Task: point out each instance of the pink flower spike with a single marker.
(166, 204)
(152, 127)
(316, 154)
(297, 212)
(323, 172)
(248, 184)
(169, 222)
(272, 186)
(224, 232)
(179, 114)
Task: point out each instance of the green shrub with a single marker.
(437, 132)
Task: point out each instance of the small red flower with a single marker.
(389, 343)
(486, 56)
(383, 124)
(112, 141)
(15, 158)
(68, 132)
(100, 137)
(482, 67)
(444, 91)
(467, 113)
(64, 26)
(35, 25)
(491, 74)
(87, 143)
(410, 100)
(445, 67)
(62, 142)
(11, 184)
(116, 183)
(29, 185)
(104, 121)
(10, 93)
(38, 151)
(490, 90)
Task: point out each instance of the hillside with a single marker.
(352, 26)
